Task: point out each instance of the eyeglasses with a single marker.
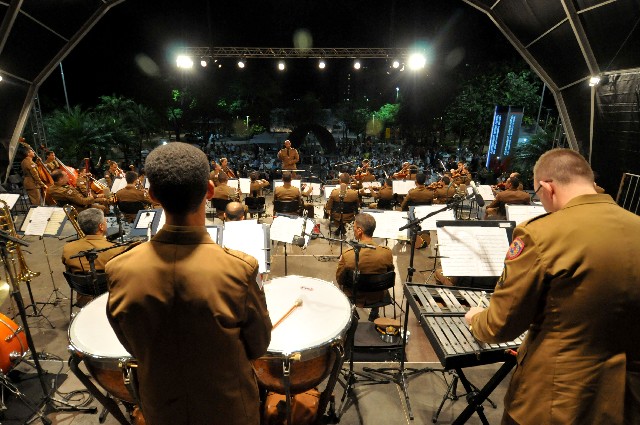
(539, 187)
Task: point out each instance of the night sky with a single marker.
(106, 61)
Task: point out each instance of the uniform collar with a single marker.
(94, 237)
(182, 235)
(596, 198)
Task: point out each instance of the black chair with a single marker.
(286, 207)
(130, 209)
(339, 210)
(386, 204)
(255, 205)
(368, 283)
(83, 284)
(220, 205)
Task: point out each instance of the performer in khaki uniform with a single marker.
(445, 193)
(130, 193)
(32, 183)
(568, 280)
(182, 290)
(287, 192)
(224, 191)
(50, 161)
(63, 194)
(509, 196)
(256, 186)
(371, 261)
(385, 193)
(419, 194)
(213, 176)
(342, 194)
(289, 156)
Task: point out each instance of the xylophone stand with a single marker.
(452, 390)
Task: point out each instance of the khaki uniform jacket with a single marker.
(213, 176)
(385, 193)
(509, 196)
(129, 193)
(289, 158)
(223, 191)
(291, 193)
(417, 195)
(571, 278)
(70, 195)
(350, 195)
(30, 173)
(81, 264)
(371, 261)
(110, 178)
(444, 194)
(193, 316)
(256, 187)
(52, 165)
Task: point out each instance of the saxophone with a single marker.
(22, 272)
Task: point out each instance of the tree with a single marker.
(526, 154)
(469, 116)
(182, 102)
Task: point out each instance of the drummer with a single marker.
(371, 261)
(182, 291)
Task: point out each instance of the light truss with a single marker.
(296, 53)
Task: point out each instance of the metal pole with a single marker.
(64, 86)
(544, 86)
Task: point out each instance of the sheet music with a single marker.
(388, 223)
(328, 188)
(245, 185)
(402, 187)
(472, 251)
(284, 228)
(233, 183)
(146, 183)
(367, 185)
(38, 221)
(55, 221)
(145, 219)
(241, 236)
(315, 188)
(294, 182)
(430, 223)
(521, 213)
(118, 184)
(213, 232)
(10, 199)
(161, 221)
(486, 192)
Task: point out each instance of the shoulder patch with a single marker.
(515, 249)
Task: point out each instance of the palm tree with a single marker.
(526, 154)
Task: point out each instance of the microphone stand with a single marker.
(400, 375)
(48, 400)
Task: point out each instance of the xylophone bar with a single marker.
(438, 300)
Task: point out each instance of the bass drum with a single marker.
(13, 343)
(309, 331)
(92, 339)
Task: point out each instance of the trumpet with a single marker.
(22, 273)
(72, 216)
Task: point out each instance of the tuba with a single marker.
(72, 216)
(23, 273)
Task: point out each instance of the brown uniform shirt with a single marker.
(371, 261)
(256, 187)
(223, 191)
(70, 195)
(444, 194)
(350, 195)
(417, 195)
(213, 176)
(182, 291)
(289, 158)
(385, 193)
(129, 193)
(81, 264)
(509, 196)
(31, 181)
(571, 279)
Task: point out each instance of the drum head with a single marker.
(90, 332)
(324, 315)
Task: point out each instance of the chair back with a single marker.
(254, 202)
(344, 207)
(131, 207)
(219, 204)
(83, 283)
(286, 207)
(373, 282)
(385, 204)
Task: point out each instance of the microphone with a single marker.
(479, 199)
(299, 240)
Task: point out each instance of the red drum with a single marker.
(306, 335)
(92, 339)
(13, 343)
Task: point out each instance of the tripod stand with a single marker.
(48, 400)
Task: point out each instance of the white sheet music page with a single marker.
(472, 251)
(145, 218)
(246, 236)
(315, 188)
(38, 221)
(245, 185)
(420, 211)
(388, 223)
(295, 183)
(486, 192)
(10, 198)
(284, 228)
(328, 188)
(402, 187)
(118, 184)
(521, 213)
(55, 221)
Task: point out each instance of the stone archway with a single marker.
(325, 138)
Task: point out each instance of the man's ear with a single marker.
(152, 196)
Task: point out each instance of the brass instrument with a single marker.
(23, 273)
(72, 216)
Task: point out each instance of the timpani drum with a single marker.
(307, 335)
(92, 339)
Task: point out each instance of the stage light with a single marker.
(281, 66)
(184, 62)
(396, 64)
(203, 63)
(594, 80)
(322, 64)
(417, 61)
(356, 65)
(240, 64)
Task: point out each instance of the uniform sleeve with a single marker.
(296, 156)
(76, 198)
(518, 293)
(329, 204)
(256, 329)
(405, 201)
(495, 203)
(341, 270)
(33, 171)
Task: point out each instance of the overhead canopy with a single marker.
(567, 42)
(35, 36)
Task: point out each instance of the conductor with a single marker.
(289, 156)
(183, 290)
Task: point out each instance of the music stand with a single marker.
(241, 236)
(45, 221)
(147, 223)
(288, 228)
(430, 224)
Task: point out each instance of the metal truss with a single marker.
(295, 53)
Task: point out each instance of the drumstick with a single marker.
(297, 304)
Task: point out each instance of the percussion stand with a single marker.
(56, 291)
(48, 400)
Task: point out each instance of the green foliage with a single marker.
(526, 154)
(388, 113)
